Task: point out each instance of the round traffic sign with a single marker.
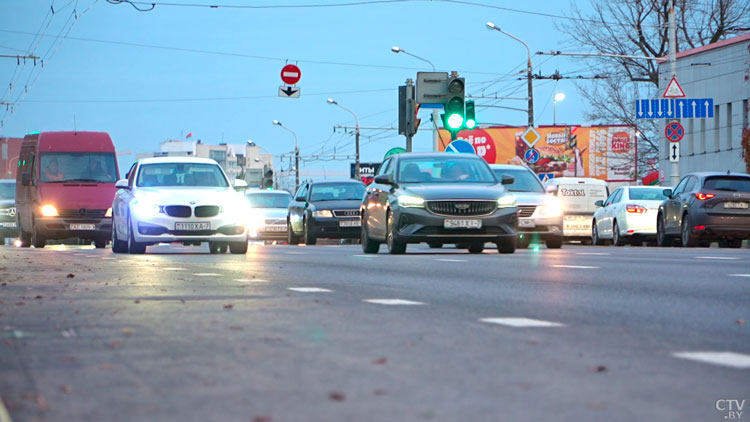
(531, 156)
(394, 151)
(460, 146)
(290, 74)
(674, 131)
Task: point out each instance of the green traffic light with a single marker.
(455, 121)
(470, 124)
(471, 121)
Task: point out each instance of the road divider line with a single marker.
(308, 289)
(248, 280)
(295, 253)
(206, 274)
(739, 275)
(583, 267)
(730, 359)
(173, 269)
(4, 415)
(393, 302)
(716, 257)
(366, 256)
(593, 253)
(450, 260)
(521, 322)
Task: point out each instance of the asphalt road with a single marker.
(289, 333)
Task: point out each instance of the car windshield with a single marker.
(337, 192)
(444, 170)
(7, 190)
(728, 183)
(268, 200)
(58, 167)
(647, 194)
(181, 174)
(525, 180)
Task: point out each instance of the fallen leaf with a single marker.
(115, 344)
(599, 368)
(66, 389)
(337, 396)
(128, 331)
(380, 361)
(740, 321)
(379, 392)
(229, 306)
(262, 419)
(137, 301)
(70, 275)
(42, 404)
(39, 297)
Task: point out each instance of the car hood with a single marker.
(531, 198)
(7, 203)
(337, 205)
(435, 191)
(270, 213)
(189, 196)
(76, 195)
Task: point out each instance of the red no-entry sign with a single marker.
(290, 74)
(674, 131)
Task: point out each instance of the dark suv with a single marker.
(325, 209)
(704, 207)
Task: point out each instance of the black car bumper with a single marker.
(62, 228)
(335, 228)
(417, 225)
(712, 225)
(8, 227)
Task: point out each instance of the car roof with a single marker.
(509, 167)
(704, 174)
(7, 180)
(336, 182)
(266, 192)
(433, 155)
(158, 160)
(576, 180)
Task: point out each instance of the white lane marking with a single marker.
(173, 269)
(248, 280)
(739, 275)
(716, 257)
(308, 289)
(333, 246)
(731, 359)
(521, 322)
(585, 267)
(296, 253)
(206, 274)
(450, 260)
(592, 253)
(392, 302)
(109, 259)
(366, 256)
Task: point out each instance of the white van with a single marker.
(578, 195)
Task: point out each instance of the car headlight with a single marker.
(49, 211)
(411, 201)
(256, 220)
(506, 201)
(146, 209)
(322, 214)
(109, 212)
(552, 207)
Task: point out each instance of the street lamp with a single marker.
(296, 153)
(401, 50)
(435, 136)
(558, 97)
(529, 73)
(356, 136)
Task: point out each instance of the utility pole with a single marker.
(296, 152)
(674, 176)
(356, 136)
(529, 71)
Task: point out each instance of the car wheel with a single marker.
(309, 238)
(100, 243)
(36, 238)
(368, 244)
(523, 241)
(214, 247)
(238, 248)
(688, 239)
(291, 238)
(507, 245)
(133, 246)
(595, 239)
(25, 237)
(555, 243)
(434, 245)
(118, 246)
(617, 239)
(476, 247)
(662, 238)
(395, 247)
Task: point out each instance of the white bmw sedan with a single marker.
(627, 216)
(178, 199)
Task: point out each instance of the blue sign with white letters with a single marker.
(674, 108)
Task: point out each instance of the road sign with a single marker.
(432, 87)
(288, 92)
(545, 176)
(674, 90)
(674, 131)
(460, 146)
(670, 108)
(394, 151)
(530, 137)
(290, 74)
(531, 156)
(674, 153)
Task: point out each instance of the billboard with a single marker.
(603, 152)
(367, 171)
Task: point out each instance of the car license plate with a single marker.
(192, 226)
(736, 205)
(526, 223)
(8, 225)
(350, 223)
(450, 223)
(83, 227)
(275, 228)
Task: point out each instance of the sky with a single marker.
(147, 77)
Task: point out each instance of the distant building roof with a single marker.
(709, 47)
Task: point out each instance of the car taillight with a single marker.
(637, 209)
(703, 196)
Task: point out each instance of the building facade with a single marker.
(9, 151)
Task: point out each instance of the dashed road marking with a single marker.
(739, 275)
(366, 256)
(521, 322)
(450, 260)
(173, 269)
(4, 415)
(109, 259)
(296, 253)
(393, 302)
(717, 257)
(584, 267)
(593, 253)
(308, 289)
(249, 280)
(730, 359)
(206, 274)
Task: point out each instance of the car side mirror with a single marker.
(551, 189)
(599, 203)
(122, 184)
(25, 179)
(240, 184)
(383, 179)
(667, 193)
(300, 199)
(507, 180)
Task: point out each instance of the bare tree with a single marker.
(640, 28)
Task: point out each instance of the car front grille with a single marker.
(178, 210)
(461, 208)
(82, 213)
(346, 213)
(526, 210)
(8, 212)
(206, 211)
(275, 222)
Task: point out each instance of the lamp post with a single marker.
(435, 135)
(558, 97)
(529, 73)
(356, 136)
(296, 153)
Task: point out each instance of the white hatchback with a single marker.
(628, 215)
(178, 199)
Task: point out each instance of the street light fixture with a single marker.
(435, 136)
(296, 153)
(356, 135)
(529, 72)
(558, 97)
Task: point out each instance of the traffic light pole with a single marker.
(296, 163)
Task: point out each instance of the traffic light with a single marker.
(268, 179)
(471, 121)
(453, 119)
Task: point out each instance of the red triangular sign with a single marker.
(674, 90)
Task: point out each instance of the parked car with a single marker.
(8, 224)
(578, 196)
(325, 209)
(438, 198)
(705, 207)
(268, 214)
(540, 216)
(627, 216)
(64, 187)
(179, 199)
